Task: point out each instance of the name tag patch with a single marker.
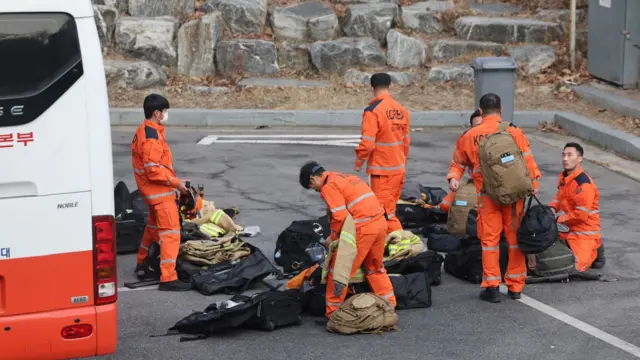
(507, 159)
(460, 203)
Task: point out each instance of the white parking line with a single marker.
(298, 139)
(126, 289)
(580, 325)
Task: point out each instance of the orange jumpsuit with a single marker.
(157, 182)
(385, 147)
(577, 206)
(494, 218)
(348, 194)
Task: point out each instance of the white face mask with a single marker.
(165, 118)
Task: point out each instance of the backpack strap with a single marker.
(503, 126)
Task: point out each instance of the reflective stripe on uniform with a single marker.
(378, 271)
(386, 167)
(446, 202)
(161, 195)
(387, 296)
(582, 208)
(364, 137)
(514, 247)
(515, 276)
(144, 247)
(338, 208)
(490, 248)
(348, 238)
(584, 232)
(390, 144)
(393, 214)
(359, 198)
(167, 261)
(139, 171)
(364, 219)
(329, 303)
(526, 153)
(151, 226)
(554, 201)
(166, 232)
(491, 278)
(215, 218)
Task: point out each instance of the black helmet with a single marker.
(306, 171)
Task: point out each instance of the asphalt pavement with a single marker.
(261, 179)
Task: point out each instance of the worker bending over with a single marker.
(577, 206)
(493, 217)
(346, 195)
(385, 147)
(157, 183)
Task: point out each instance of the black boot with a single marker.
(514, 295)
(176, 285)
(491, 294)
(600, 261)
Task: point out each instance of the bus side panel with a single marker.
(98, 123)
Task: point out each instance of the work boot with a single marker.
(600, 261)
(514, 295)
(175, 285)
(490, 294)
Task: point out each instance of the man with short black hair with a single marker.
(494, 218)
(476, 118)
(385, 146)
(347, 195)
(157, 183)
(577, 206)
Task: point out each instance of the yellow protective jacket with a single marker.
(345, 251)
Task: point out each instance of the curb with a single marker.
(599, 133)
(603, 99)
(316, 118)
(577, 125)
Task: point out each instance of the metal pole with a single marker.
(572, 41)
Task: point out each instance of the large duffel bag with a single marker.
(426, 261)
(466, 263)
(292, 243)
(266, 311)
(235, 277)
(411, 290)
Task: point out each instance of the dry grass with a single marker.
(420, 96)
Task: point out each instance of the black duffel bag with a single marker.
(538, 229)
(293, 242)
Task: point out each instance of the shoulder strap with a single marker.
(503, 126)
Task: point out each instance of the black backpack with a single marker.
(538, 229)
(265, 311)
(290, 251)
(131, 218)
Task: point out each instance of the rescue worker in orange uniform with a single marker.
(385, 147)
(493, 218)
(345, 195)
(445, 204)
(157, 183)
(577, 206)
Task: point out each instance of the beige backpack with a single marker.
(504, 170)
(363, 313)
(464, 200)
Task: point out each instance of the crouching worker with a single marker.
(577, 206)
(352, 204)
